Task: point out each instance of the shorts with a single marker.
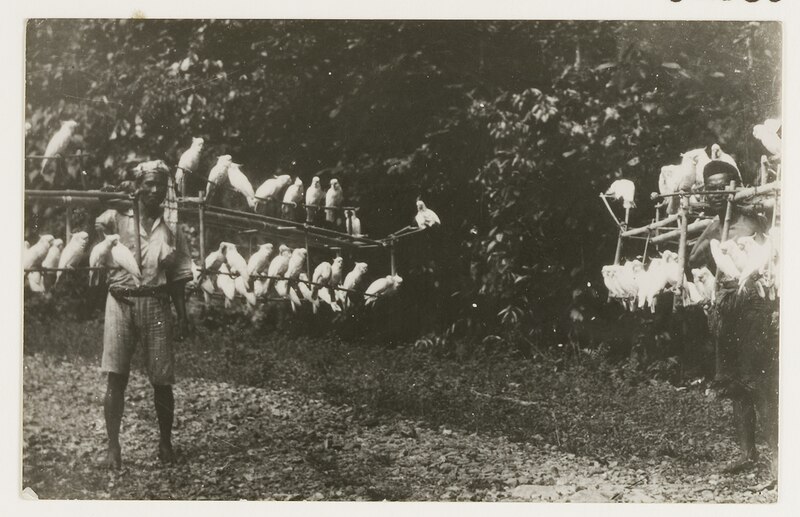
(147, 320)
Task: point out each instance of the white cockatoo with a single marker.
(696, 160)
(325, 296)
(278, 266)
(723, 259)
(352, 223)
(758, 256)
(628, 278)
(651, 282)
(189, 161)
(322, 275)
(294, 296)
(259, 287)
(218, 174)
(671, 267)
(282, 288)
(334, 198)
(426, 217)
(236, 262)
(36, 282)
(58, 145)
(692, 294)
(241, 288)
(259, 261)
(305, 290)
(216, 258)
(241, 184)
(297, 263)
(767, 134)
(381, 287)
(100, 256)
(624, 190)
(272, 189)
(705, 282)
(51, 259)
(736, 252)
(226, 284)
(293, 195)
(337, 272)
(610, 280)
(196, 273)
(123, 257)
(673, 179)
(73, 252)
(352, 281)
(315, 200)
(34, 255)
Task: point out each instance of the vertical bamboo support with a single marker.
(137, 226)
(183, 184)
(683, 223)
(308, 252)
(68, 220)
(618, 252)
(726, 223)
(201, 210)
(392, 258)
(763, 174)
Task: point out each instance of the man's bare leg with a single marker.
(165, 411)
(744, 417)
(113, 408)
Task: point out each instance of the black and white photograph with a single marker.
(402, 259)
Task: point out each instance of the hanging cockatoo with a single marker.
(73, 252)
(695, 160)
(426, 217)
(123, 257)
(34, 255)
(322, 275)
(767, 134)
(325, 296)
(57, 146)
(226, 284)
(352, 223)
(100, 256)
(36, 282)
(259, 261)
(297, 263)
(189, 161)
(305, 291)
(218, 174)
(292, 199)
(51, 259)
(704, 282)
(241, 288)
(352, 281)
(333, 200)
(651, 282)
(723, 259)
(241, 184)
(272, 190)
(315, 200)
(236, 262)
(624, 190)
(718, 154)
(278, 266)
(758, 256)
(381, 287)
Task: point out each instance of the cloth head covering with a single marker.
(170, 203)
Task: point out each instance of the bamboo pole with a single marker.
(68, 221)
(726, 226)
(652, 226)
(392, 259)
(92, 194)
(202, 228)
(763, 174)
(692, 228)
(677, 300)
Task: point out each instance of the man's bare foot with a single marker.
(165, 453)
(740, 465)
(112, 459)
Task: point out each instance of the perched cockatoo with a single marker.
(758, 256)
(692, 294)
(51, 259)
(610, 280)
(673, 179)
(381, 287)
(57, 146)
(123, 257)
(337, 272)
(259, 287)
(241, 184)
(241, 288)
(628, 277)
(718, 154)
(696, 160)
(724, 260)
(315, 200)
(651, 282)
(297, 263)
(34, 255)
(322, 275)
(282, 288)
(353, 223)
(426, 217)
(259, 261)
(36, 282)
(101, 256)
(671, 267)
(218, 174)
(334, 198)
(189, 161)
(704, 282)
(278, 266)
(624, 190)
(236, 262)
(294, 296)
(73, 252)
(272, 190)
(293, 195)
(216, 258)
(352, 281)
(767, 134)
(226, 284)
(305, 290)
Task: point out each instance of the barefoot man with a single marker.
(744, 328)
(141, 315)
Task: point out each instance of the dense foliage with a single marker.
(509, 130)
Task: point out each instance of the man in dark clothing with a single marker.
(744, 328)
